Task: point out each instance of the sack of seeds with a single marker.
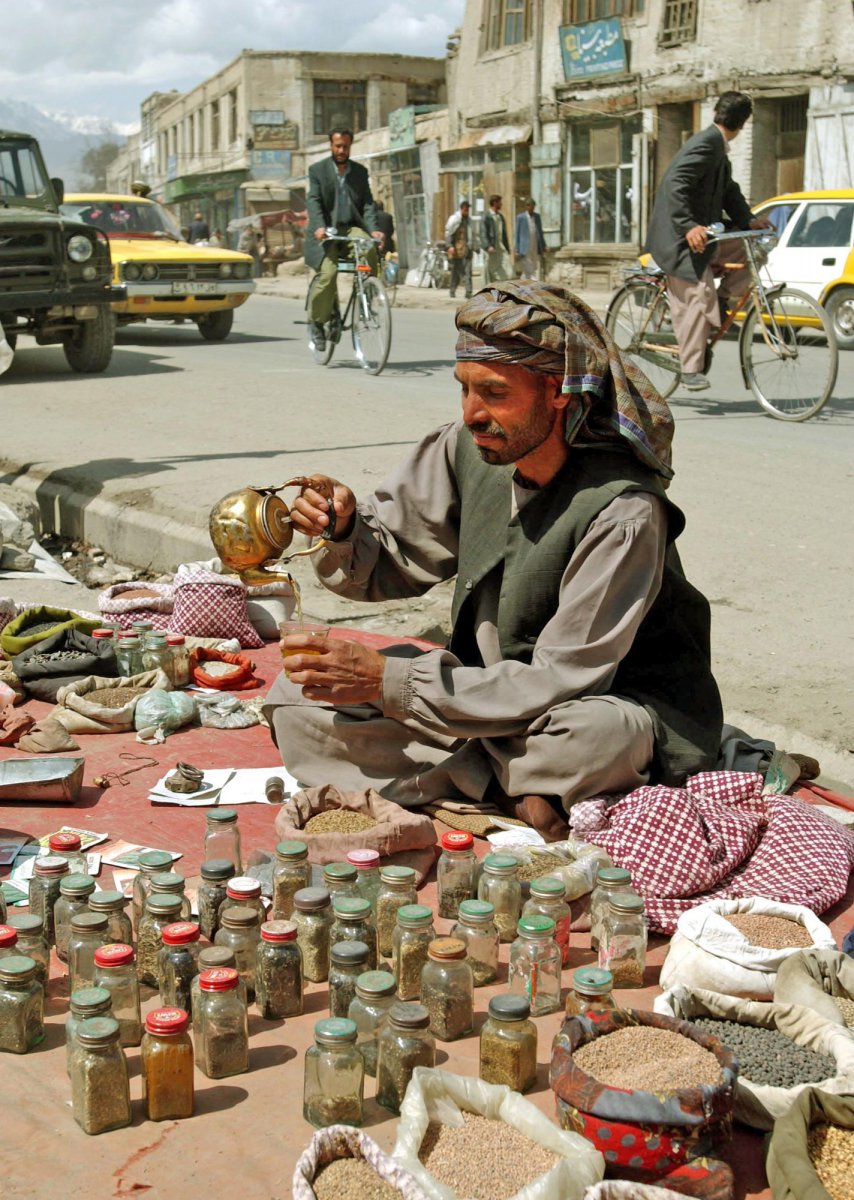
(460, 1137)
(624, 1189)
(822, 980)
(343, 1163)
(66, 657)
(99, 705)
(36, 624)
(811, 1151)
(737, 946)
(773, 1069)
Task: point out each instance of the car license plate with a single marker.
(194, 288)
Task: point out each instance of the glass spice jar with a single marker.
(367, 864)
(476, 927)
(412, 937)
(115, 973)
(141, 627)
(85, 1003)
(244, 891)
(590, 992)
(88, 934)
(178, 669)
(455, 872)
(29, 928)
(209, 958)
(160, 911)
(170, 883)
(347, 961)
(74, 893)
(278, 971)
(68, 846)
(156, 655)
(313, 919)
(222, 836)
(375, 994)
(340, 879)
(48, 874)
(211, 892)
(334, 1078)
(405, 1042)
(21, 1005)
(129, 657)
(499, 885)
(221, 1031)
(178, 963)
(240, 930)
(113, 905)
(508, 1044)
(151, 862)
(397, 887)
(622, 946)
(609, 881)
(8, 941)
(166, 1062)
(100, 1091)
(535, 965)
(548, 899)
(353, 921)
(291, 872)
(447, 989)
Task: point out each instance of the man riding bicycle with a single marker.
(697, 189)
(339, 197)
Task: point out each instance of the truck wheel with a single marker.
(216, 326)
(90, 347)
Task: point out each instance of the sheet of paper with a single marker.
(45, 567)
(87, 836)
(126, 854)
(9, 848)
(14, 895)
(123, 879)
(246, 786)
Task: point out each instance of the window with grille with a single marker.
(214, 124)
(579, 12)
(232, 116)
(679, 23)
(508, 23)
(601, 195)
(337, 102)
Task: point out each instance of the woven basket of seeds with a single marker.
(822, 980)
(343, 1163)
(99, 705)
(811, 1151)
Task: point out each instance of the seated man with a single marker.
(579, 657)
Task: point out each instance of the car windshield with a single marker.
(21, 173)
(125, 218)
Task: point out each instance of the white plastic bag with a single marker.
(438, 1095)
(707, 952)
(623, 1189)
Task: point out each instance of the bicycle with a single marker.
(367, 310)
(434, 265)
(390, 274)
(783, 362)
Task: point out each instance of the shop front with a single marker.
(217, 196)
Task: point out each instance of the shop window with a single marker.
(508, 23)
(214, 124)
(579, 12)
(601, 194)
(337, 102)
(232, 116)
(679, 22)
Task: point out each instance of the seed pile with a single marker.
(55, 656)
(352, 1179)
(831, 1151)
(114, 697)
(218, 670)
(40, 627)
(766, 1056)
(648, 1059)
(483, 1159)
(846, 1007)
(339, 820)
(774, 933)
(540, 864)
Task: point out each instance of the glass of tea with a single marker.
(302, 637)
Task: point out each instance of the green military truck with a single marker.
(54, 273)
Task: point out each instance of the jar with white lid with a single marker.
(367, 864)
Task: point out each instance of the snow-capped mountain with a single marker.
(97, 127)
(64, 137)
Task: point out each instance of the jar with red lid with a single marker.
(278, 971)
(8, 941)
(178, 963)
(48, 873)
(68, 846)
(222, 1031)
(367, 864)
(115, 972)
(245, 891)
(166, 1059)
(455, 872)
(178, 669)
(106, 635)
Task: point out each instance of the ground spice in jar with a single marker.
(644, 1058)
(352, 1179)
(483, 1159)
(278, 971)
(540, 864)
(339, 820)
(404, 1043)
(447, 989)
(99, 1077)
(313, 918)
(831, 1151)
(508, 1044)
(846, 1007)
(774, 933)
(167, 1065)
(767, 1056)
(114, 697)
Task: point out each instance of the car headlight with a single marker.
(225, 270)
(149, 271)
(241, 270)
(132, 270)
(80, 248)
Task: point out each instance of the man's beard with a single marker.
(525, 440)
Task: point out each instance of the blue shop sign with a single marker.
(596, 48)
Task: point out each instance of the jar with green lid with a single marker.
(100, 1090)
(313, 919)
(113, 905)
(405, 1042)
(68, 845)
(499, 885)
(74, 893)
(88, 934)
(178, 963)
(48, 874)
(156, 655)
(115, 973)
(278, 971)
(213, 958)
(141, 627)
(412, 937)
(246, 892)
(508, 1044)
(475, 926)
(609, 881)
(221, 1028)
(166, 1062)
(291, 872)
(447, 989)
(590, 993)
(222, 836)
(85, 1003)
(21, 1005)
(353, 921)
(535, 965)
(178, 668)
(375, 994)
(215, 874)
(170, 883)
(160, 911)
(129, 657)
(340, 879)
(548, 899)
(347, 961)
(150, 863)
(456, 872)
(367, 864)
(334, 1079)
(622, 946)
(31, 942)
(397, 887)
(240, 930)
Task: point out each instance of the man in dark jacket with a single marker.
(497, 259)
(339, 196)
(697, 189)
(198, 230)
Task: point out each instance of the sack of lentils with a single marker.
(343, 1163)
(99, 705)
(652, 1093)
(822, 980)
(36, 624)
(780, 1048)
(811, 1151)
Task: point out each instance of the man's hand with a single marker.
(320, 234)
(344, 673)
(490, 249)
(378, 236)
(761, 223)
(310, 515)
(697, 238)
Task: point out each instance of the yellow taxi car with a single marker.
(165, 277)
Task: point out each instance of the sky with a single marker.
(102, 60)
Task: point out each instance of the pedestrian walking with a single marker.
(461, 241)
(530, 243)
(497, 263)
(198, 230)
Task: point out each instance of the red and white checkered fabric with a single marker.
(157, 609)
(211, 605)
(719, 837)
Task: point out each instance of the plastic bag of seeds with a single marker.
(342, 1142)
(709, 950)
(778, 1069)
(99, 705)
(788, 1162)
(436, 1100)
(822, 980)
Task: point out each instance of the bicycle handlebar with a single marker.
(717, 233)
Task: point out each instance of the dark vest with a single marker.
(667, 668)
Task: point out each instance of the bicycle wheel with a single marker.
(390, 274)
(789, 355)
(638, 320)
(321, 357)
(372, 326)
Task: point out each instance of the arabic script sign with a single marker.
(593, 49)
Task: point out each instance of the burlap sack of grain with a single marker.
(707, 952)
(759, 1105)
(434, 1095)
(791, 1175)
(396, 828)
(811, 977)
(78, 714)
(343, 1141)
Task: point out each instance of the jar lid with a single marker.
(335, 1031)
(375, 983)
(446, 948)
(364, 860)
(168, 881)
(115, 954)
(100, 901)
(338, 871)
(143, 624)
(29, 923)
(279, 931)
(593, 980)
(217, 868)
(154, 860)
(77, 885)
(477, 910)
(102, 633)
(179, 933)
(17, 968)
(221, 816)
(129, 641)
(501, 864)
(510, 1007)
(627, 902)
(167, 1020)
(457, 840)
(174, 639)
(613, 875)
(218, 979)
(413, 916)
(8, 935)
(243, 887)
(356, 907)
(409, 1015)
(154, 639)
(397, 875)
(238, 917)
(164, 904)
(90, 999)
(64, 841)
(547, 886)
(348, 954)
(50, 866)
(292, 851)
(536, 926)
(88, 921)
(311, 898)
(216, 956)
(98, 1031)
